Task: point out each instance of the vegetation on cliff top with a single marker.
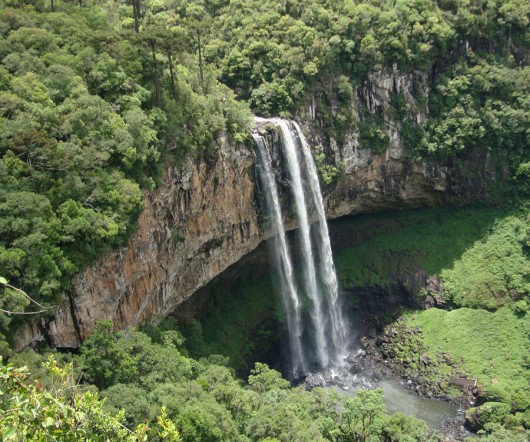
(277, 55)
(88, 114)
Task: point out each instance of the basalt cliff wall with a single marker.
(206, 216)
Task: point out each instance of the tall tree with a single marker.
(199, 22)
(153, 39)
(173, 41)
(136, 15)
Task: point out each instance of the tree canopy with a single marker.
(149, 387)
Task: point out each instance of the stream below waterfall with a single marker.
(360, 372)
(432, 411)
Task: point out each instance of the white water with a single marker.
(321, 326)
(291, 301)
(337, 326)
(308, 263)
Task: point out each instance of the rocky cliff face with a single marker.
(202, 219)
(205, 217)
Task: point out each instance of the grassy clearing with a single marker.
(494, 271)
(493, 346)
(478, 253)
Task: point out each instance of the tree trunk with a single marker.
(158, 95)
(136, 15)
(172, 75)
(201, 73)
(53, 6)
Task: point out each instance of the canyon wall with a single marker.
(206, 216)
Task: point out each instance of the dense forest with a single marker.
(97, 97)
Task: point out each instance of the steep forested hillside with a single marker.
(88, 116)
(97, 96)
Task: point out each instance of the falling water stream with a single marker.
(318, 320)
(282, 258)
(317, 334)
(337, 324)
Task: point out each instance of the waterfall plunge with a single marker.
(317, 336)
(282, 259)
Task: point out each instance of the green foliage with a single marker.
(361, 413)
(363, 418)
(492, 346)
(373, 137)
(32, 414)
(481, 103)
(263, 379)
(110, 358)
(138, 407)
(327, 173)
(259, 44)
(176, 398)
(106, 361)
(482, 266)
(491, 272)
(280, 56)
(490, 412)
(404, 428)
(168, 431)
(271, 99)
(12, 303)
(498, 433)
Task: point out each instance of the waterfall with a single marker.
(281, 256)
(317, 329)
(338, 325)
(308, 262)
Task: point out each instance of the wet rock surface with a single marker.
(453, 430)
(364, 369)
(359, 371)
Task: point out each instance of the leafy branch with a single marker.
(9, 312)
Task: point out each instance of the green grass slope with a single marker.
(479, 254)
(482, 259)
(493, 348)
